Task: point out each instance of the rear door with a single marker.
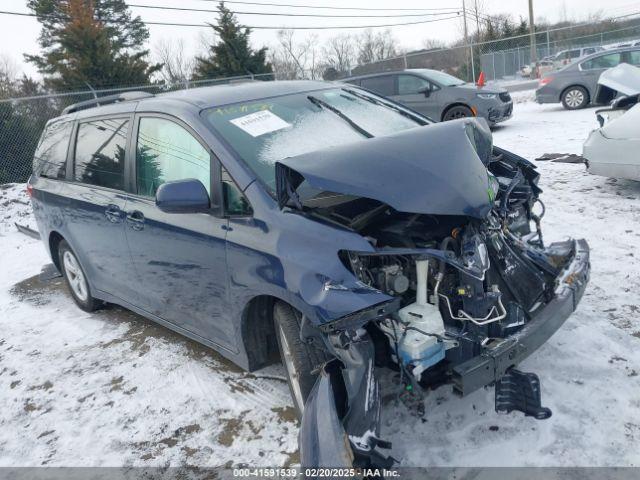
(96, 200)
(179, 258)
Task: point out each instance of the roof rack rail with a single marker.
(119, 97)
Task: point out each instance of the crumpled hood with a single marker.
(439, 169)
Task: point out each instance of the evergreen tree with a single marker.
(232, 55)
(90, 42)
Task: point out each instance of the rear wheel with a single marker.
(299, 359)
(75, 278)
(574, 98)
(459, 111)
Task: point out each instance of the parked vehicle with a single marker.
(438, 95)
(537, 69)
(318, 220)
(612, 150)
(527, 70)
(566, 57)
(544, 67)
(575, 85)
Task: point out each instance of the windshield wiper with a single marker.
(322, 104)
(390, 106)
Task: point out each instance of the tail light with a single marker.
(29, 190)
(544, 81)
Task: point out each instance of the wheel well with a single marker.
(54, 240)
(258, 332)
(573, 86)
(458, 104)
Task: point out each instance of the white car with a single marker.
(613, 149)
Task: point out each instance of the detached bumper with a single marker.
(492, 364)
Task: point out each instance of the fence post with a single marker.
(493, 63)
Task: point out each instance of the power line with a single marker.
(255, 27)
(324, 7)
(185, 9)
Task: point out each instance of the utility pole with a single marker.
(466, 40)
(532, 34)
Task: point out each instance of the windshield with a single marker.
(265, 131)
(443, 78)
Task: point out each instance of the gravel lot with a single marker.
(112, 389)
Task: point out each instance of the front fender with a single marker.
(341, 418)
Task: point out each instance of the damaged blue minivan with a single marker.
(315, 224)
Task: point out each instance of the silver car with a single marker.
(575, 85)
(438, 95)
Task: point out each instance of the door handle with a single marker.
(113, 213)
(135, 218)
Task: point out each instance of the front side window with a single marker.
(382, 85)
(266, 131)
(603, 61)
(100, 152)
(410, 84)
(50, 159)
(167, 152)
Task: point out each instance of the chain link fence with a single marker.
(22, 119)
(510, 58)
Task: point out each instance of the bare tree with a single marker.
(292, 59)
(340, 53)
(373, 47)
(8, 75)
(177, 64)
(433, 44)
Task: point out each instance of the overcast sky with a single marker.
(19, 34)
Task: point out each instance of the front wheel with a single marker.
(75, 278)
(299, 359)
(459, 111)
(575, 98)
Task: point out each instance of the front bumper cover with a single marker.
(493, 363)
(340, 424)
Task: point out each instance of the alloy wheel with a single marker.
(76, 278)
(574, 98)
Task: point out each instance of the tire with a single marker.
(75, 278)
(298, 358)
(459, 111)
(575, 98)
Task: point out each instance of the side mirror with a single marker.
(183, 196)
(426, 91)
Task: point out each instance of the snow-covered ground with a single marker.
(113, 389)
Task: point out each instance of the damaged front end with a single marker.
(456, 247)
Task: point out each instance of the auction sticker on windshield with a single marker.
(259, 123)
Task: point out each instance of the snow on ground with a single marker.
(111, 388)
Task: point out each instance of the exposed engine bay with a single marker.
(456, 244)
(448, 313)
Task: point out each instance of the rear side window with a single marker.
(50, 159)
(100, 150)
(167, 152)
(381, 85)
(603, 61)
